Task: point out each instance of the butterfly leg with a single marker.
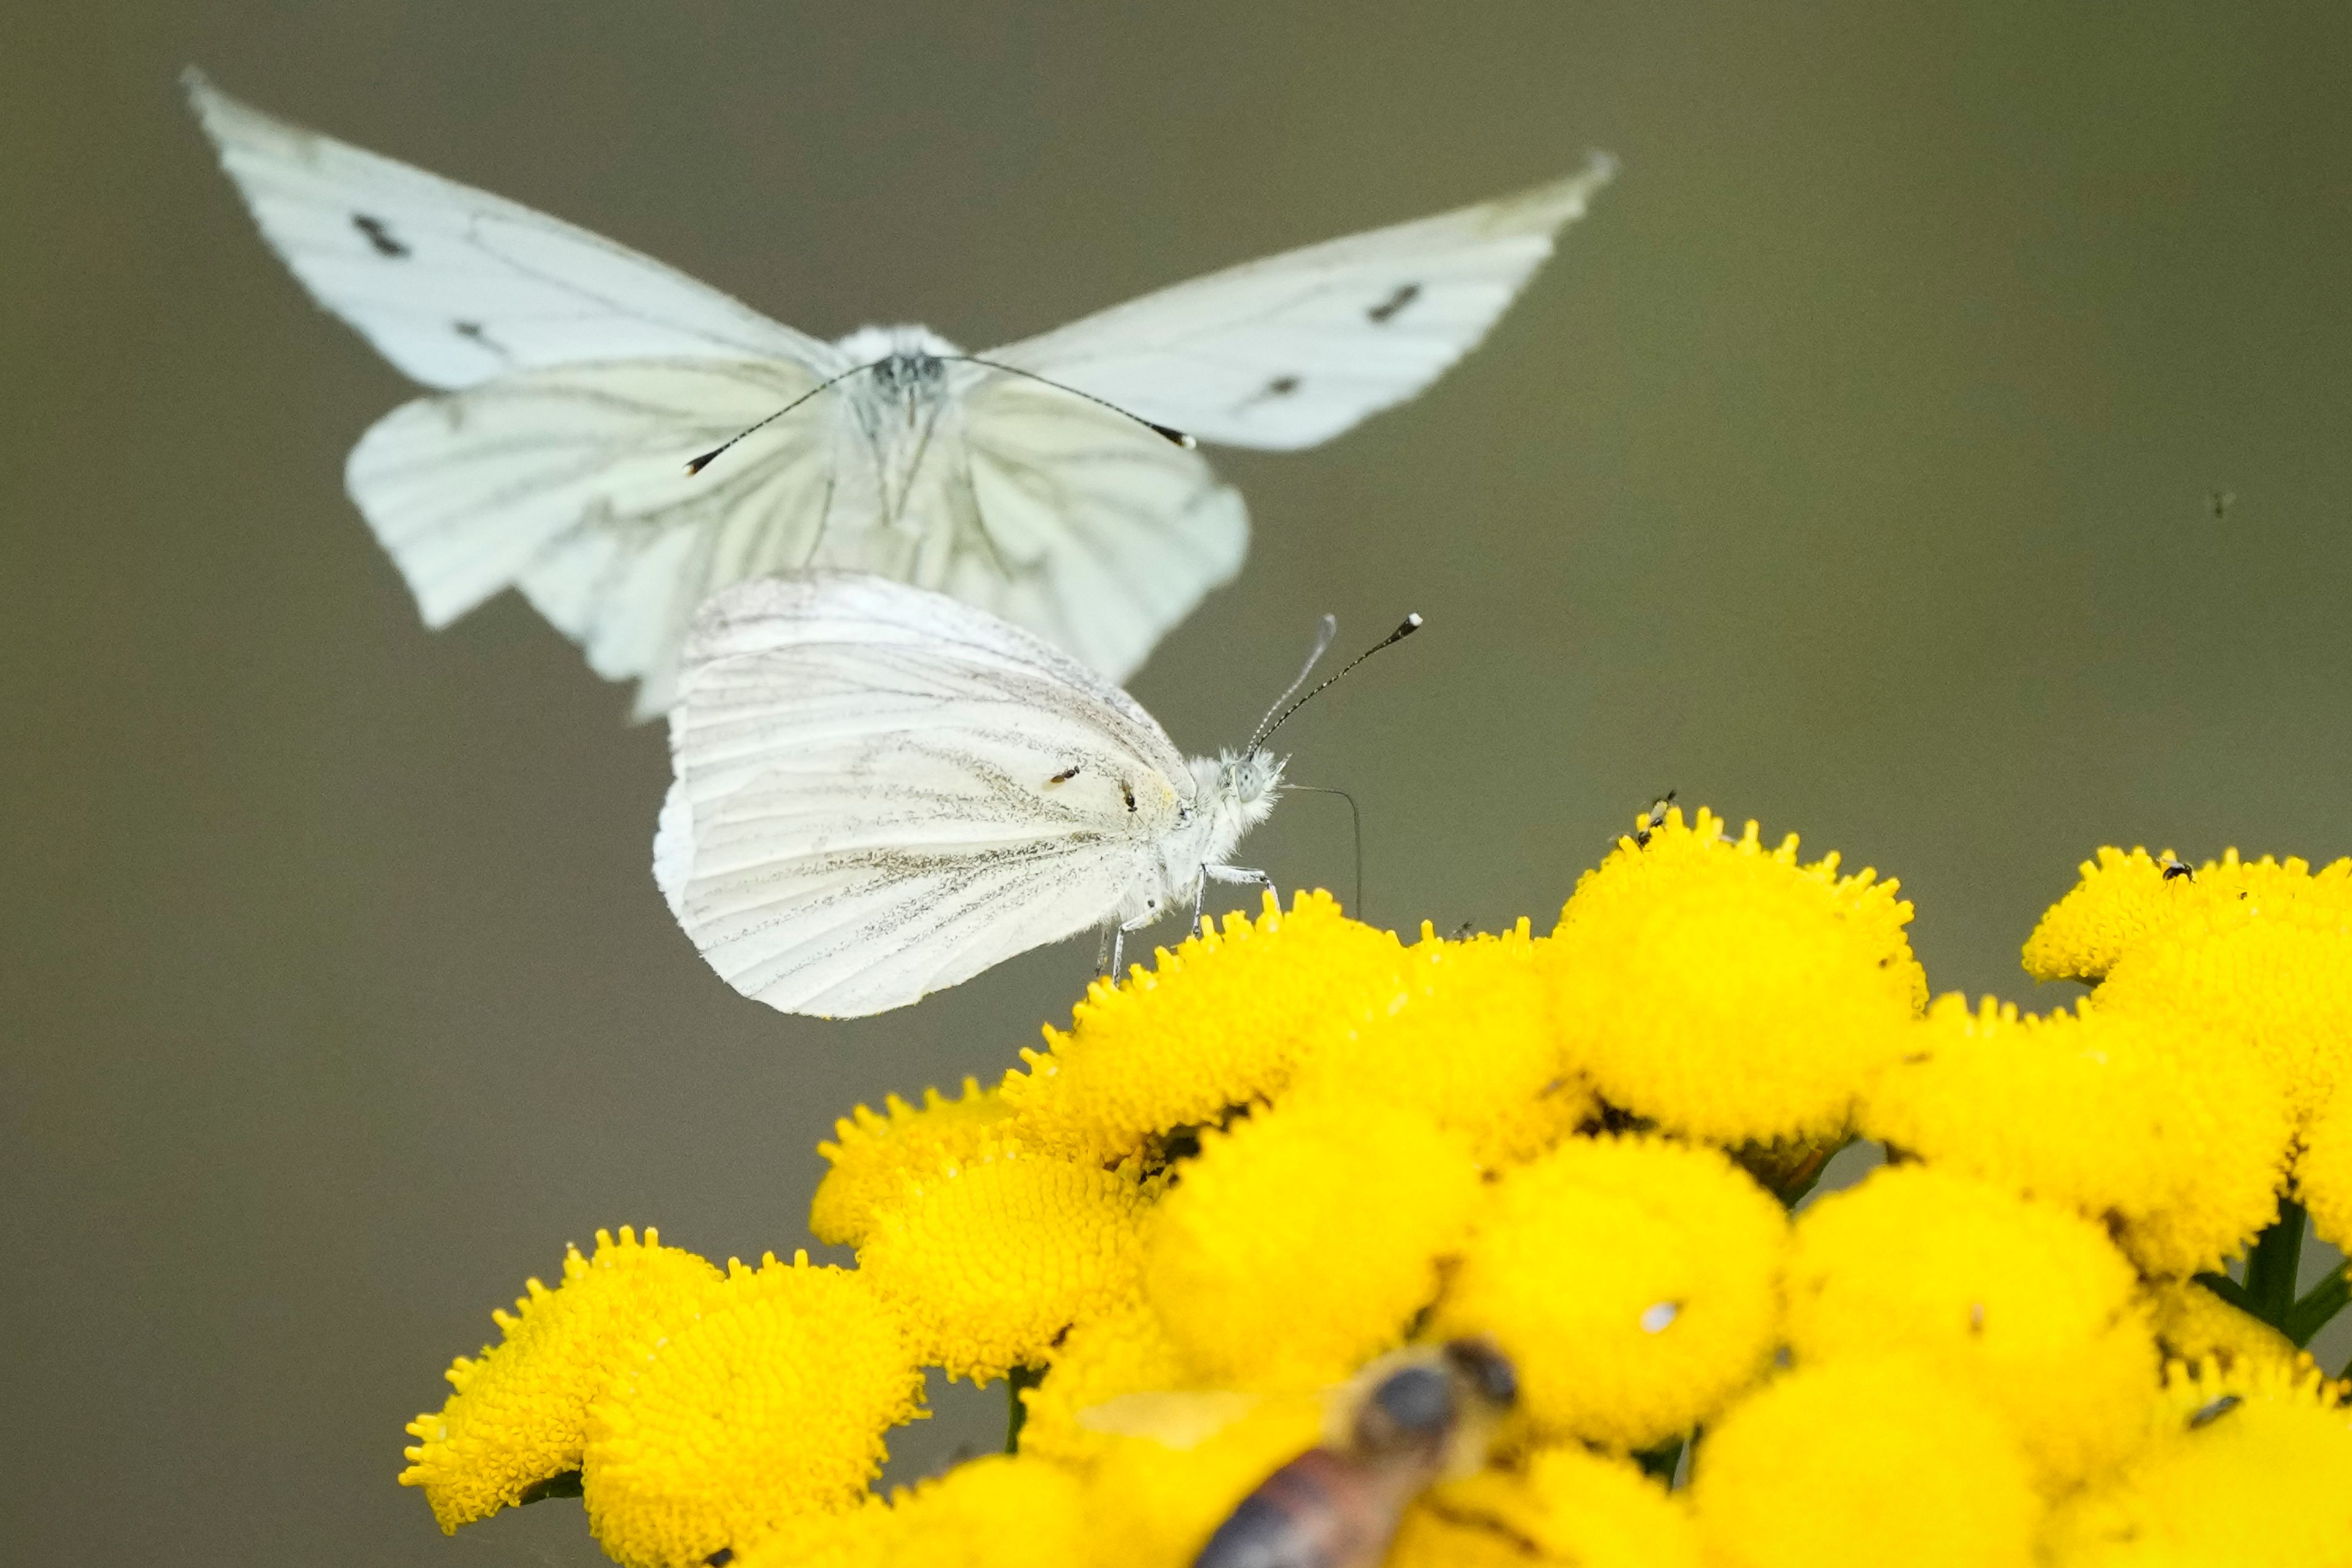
(1243, 874)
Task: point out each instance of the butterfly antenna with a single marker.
(704, 461)
(1405, 628)
(1356, 825)
(1325, 630)
(1168, 433)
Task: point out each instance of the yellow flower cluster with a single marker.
(1295, 1144)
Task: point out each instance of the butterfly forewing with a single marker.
(881, 791)
(455, 285)
(1290, 351)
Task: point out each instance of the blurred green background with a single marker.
(1849, 469)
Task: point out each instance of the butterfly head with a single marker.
(1242, 785)
(906, 362)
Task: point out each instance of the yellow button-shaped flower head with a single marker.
(2028, 1304)
(2252, 1466)
(1468, 1037)
(2126, 1118)
(1726, 991)
(1301, 1243)
(1220, 1023)
(990, 1259)
(998, 1512)
(1155, 1501)
(1128, 1352)
(2324, 1172)
(873, 1155)
(521, 1413)
(1862, 1462)
(771, 1404)
(2193, 1325)
(2125, 901)
(1569, 1505)
(1631, 1281)
(2266, 978)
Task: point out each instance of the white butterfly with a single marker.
(880, 792)
(584, 376)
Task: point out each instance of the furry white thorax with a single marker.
(897, 406)
(1233, 793)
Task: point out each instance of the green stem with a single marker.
(2273, 1264)
(1016, 1413)
(2268, 1291)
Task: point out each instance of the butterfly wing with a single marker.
(879, 792)
(1290, 351)
(453, 285)
(1098, 535)
(571, 484)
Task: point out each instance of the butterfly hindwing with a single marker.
(881, 791)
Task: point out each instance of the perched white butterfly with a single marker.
(880, 791)
(584, 377)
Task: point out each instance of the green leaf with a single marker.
(2318, 1308)
(2229, 1290)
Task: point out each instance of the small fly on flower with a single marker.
(1652, 820)
(2174, 866)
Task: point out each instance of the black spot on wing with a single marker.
(1280, 386)
(1386, 311)
(378, 234)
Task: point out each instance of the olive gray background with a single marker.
(1849, 468)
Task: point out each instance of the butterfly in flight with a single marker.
(607, 440)
(878, 792)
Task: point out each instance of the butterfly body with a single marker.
(576, 380)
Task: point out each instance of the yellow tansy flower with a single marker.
(1303, 1241)
(2254, 1465)
(997, 1512)
(2322, 1174)
(872, 1154)
(2026, 1304)
(990, 1259)
(1124, 1353)
(1468, 1037)
(2192, 1325)
(520, 1414)
(2123, 902)
(1724, 990)
(1219, 1023)
(1631, 1280)
(1565, 1505)
(2120, 1116)
(1154, 1504)
(1862, 1461)
(2270, 978)
(772, 1402)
